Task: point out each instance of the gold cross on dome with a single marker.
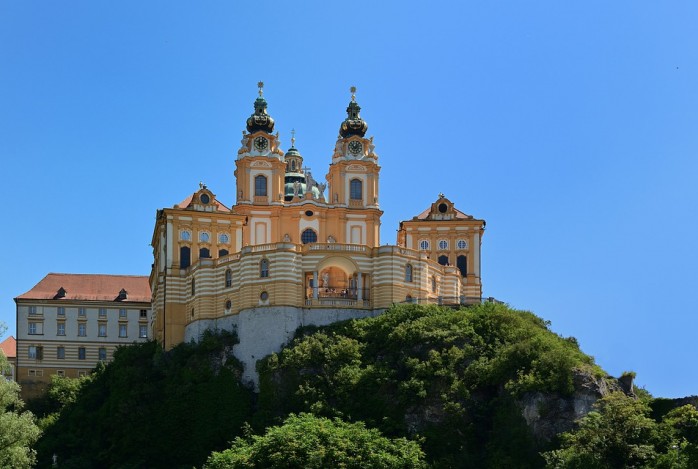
(260, 85)
(353, 93)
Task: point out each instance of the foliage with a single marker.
(317, 443)
(620, 434)
(452, 376)
(18, 431)
(149, 408)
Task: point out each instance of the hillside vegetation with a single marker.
(422, 386)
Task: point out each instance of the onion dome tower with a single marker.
(296, 181)
(353, 124)
(260, 120)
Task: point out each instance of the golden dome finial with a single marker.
(293, 138)
(353, 93)
(260, 85)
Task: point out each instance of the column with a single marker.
(315, 276)
(359, 286)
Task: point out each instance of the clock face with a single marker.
(205, 198)
(355, 148)
(261, 143)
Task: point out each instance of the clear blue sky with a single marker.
(570, 128)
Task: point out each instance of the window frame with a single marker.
(409, 273)
(82, 329)
(82, 353)
(264, 268)
(60, 328)
(102, 330)
(60, 352)
(123, 328)
(261, 188)
(304, 238)
(356, 189)
(424, 245)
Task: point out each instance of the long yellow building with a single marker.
(295, 251)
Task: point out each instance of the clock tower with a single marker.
(353, 176)
(260, 168)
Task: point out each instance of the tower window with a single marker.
(433, 284)
(424, 245)
(308, 236)
(264, 268)
(462, 264)
(222, 252)
(462, 244)
(408, 273)
(443, 260)
(443, 244)
(443, 208)
(193, 287)
(204, 253)
(184, 257)
(260, 185)
(228, 278)
(356, 189)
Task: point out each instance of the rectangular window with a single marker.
(38, 373)
(102, 330)
(260, 186)
(82, 329)
(36, 352)
(143, 332)
(61, 311)
(81, 353)
(60, 373)
(122, 330)
(122, 313)
(60, 353)
(34, 328)
(60, 328)
(102, 353)
(81, 311)
(144, 314)
(102, 312)
(32, 310)
(82, 374)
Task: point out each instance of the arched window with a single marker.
(193, 287)
(308, 236)
(355, 189)
(293, 166)
(228, 278)
(264, 268)
(204, 253)
(260, 185)
(443, 244)
(462, 264)
(433, 284)
(443, 260)
(184, 257)
(408, 299)
(408, 273)
(424, 245)
(222, 252)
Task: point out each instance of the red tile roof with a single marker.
(90, 287)
(186, 202)
(459, 215)
(9, 347)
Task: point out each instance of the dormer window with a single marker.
(123, 294)
(60, 293)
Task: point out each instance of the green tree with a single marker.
(18, 431)
(618, 434)
(306, 441)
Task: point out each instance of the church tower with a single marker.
(260, 168)
(353, 178)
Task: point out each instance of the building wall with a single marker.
(38, 353)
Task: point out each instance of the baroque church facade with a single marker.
(295, 251)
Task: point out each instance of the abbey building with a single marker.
(296, 249)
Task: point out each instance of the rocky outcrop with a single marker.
(548, 414)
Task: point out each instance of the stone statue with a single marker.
(296, 188)
(325, 279)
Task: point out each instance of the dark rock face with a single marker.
(550, 414)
